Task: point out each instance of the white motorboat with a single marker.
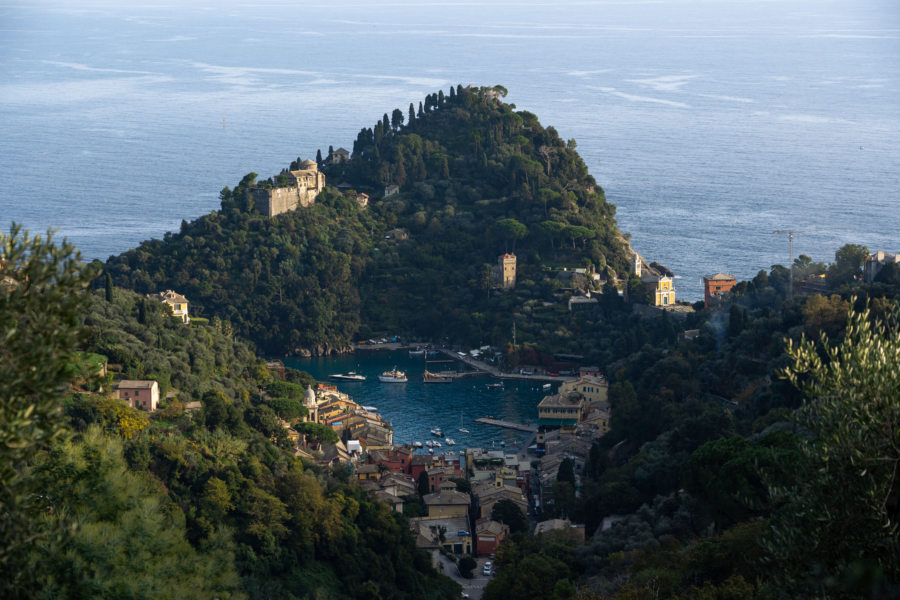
(351, 376)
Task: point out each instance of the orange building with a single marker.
(716, 286)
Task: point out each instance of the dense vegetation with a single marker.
(186, 504)
(748, 463)
(476, 178)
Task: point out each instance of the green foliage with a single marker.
(288, 408)
(847, 265)
(837, 533)
(130, 539)
(317, 433)
(508, 512)
(42, 288)
(466, 565)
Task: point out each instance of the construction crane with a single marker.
(790, 234)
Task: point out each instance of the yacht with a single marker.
(393, 376)
(449, 441)
(351, 376)
(437, 431)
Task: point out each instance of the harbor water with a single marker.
(415, 408)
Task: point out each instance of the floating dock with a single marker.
(507, 424)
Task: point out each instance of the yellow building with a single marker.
(593, 388)
(661, 287)
(447, 504)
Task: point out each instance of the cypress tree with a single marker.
(142, 312)
(385, 124)
(412, 115)
(452, 93)
(109, 288)
(440, 101)
(319, 156)
(421, 110)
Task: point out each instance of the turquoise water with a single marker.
(414, 408)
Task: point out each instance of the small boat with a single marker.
(437, 444)
(419, 351)
(494, 386)
(393, 376)
(431, 451)
(437, 431)
(463, 430)
(373, 409)
(351, 376)
(449, 441)
(429, 443)
(546, 386)
(417, 444)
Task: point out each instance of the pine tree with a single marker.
(397, 119)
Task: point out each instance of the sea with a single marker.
(710, 124)
(415, 408)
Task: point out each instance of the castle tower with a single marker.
(507, 266)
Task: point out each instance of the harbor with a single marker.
(507, 424)
(415, 407)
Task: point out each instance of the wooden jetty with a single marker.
(507, 424)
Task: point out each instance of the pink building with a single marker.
(139, 393)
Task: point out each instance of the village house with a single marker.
(455, 533)
(391, 190)
(176, 301)
(447, 503)
(715, 287)
(138, 393)
(488, 495)
(875, 262)
(561, 527)
(488, 535)
(341, 155)
(362, 200)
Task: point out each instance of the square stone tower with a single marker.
(506, 266)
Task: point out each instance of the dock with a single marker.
(507, 424)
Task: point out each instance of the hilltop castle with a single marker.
(302, 188)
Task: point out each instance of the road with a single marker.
(473, 587)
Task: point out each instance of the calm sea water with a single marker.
(415, 408)
(709, 124)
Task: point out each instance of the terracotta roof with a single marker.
(720, 277)
(136, 384)
(446, 497)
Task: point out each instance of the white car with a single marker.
(487, 568)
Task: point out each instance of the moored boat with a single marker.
(449, 441)
(351, 376)
(417, 444)
(437, 431)
(494, 386)
(393, 376)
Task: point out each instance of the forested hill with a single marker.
(476, 179)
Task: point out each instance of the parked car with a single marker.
(487, 568)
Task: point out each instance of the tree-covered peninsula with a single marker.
(474, 177)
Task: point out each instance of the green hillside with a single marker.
(476, 179)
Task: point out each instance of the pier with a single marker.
(507, 424)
